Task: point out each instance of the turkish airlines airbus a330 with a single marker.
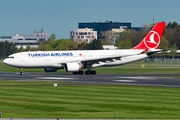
(74, 61)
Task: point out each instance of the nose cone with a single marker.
(11, 62)
(6, 61)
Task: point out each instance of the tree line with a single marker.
(7, 48)
(170, 39)
(126, 39)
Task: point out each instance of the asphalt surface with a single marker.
(161, 80)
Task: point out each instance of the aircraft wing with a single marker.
(152, 51)
(101, 60)
(111, 59)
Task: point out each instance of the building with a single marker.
(106, 26)
(23, 40)
(81, 35)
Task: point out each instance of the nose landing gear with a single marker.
(21, 71)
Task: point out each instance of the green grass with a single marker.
(70, 100)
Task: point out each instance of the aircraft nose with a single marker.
(5, 61)
(9, 61)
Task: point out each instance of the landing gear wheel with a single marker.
(88, 72)
(81, 72)
(75, 73)
(21, 73)
(93, 72)
(78, 72)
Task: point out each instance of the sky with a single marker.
(59, 17)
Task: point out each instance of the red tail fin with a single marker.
(152, 38)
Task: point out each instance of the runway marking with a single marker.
(53, 78)
(125, 80)
(140, 77)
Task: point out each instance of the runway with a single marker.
(161, 80)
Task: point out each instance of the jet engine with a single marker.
(50, 69)
(72, 67)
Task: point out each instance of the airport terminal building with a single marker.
(107, 25)
(23, 40)
(88, 31)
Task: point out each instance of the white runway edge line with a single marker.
(125, 80)
(54, 78)
(140, 78)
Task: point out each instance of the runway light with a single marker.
(142, 65)
(55, 84)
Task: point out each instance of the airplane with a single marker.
(74, 61)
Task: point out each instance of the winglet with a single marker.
(152, 38)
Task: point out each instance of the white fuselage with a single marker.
(42, 59)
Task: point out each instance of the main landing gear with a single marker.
(87, 72)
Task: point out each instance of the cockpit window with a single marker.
(11, 57)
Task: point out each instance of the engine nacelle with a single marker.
(72, 67)
(50, 69)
